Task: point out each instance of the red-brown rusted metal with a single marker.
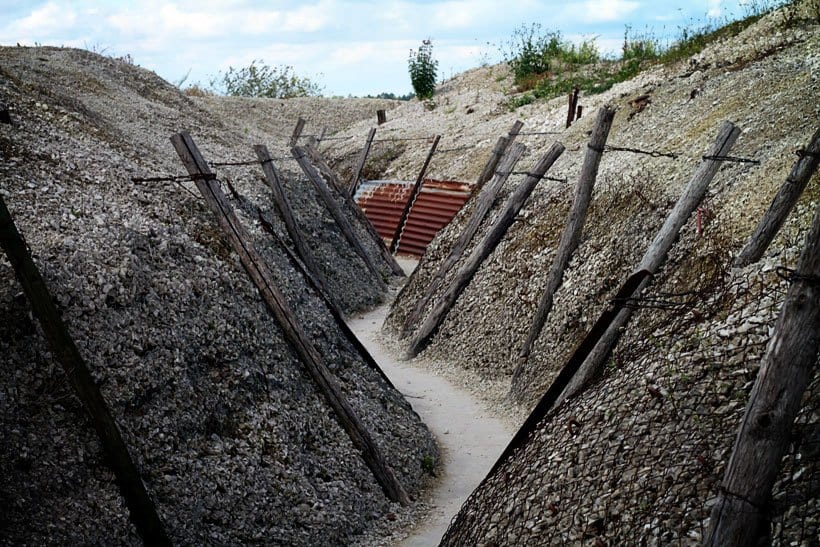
(435, 206)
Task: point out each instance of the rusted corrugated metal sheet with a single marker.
(436, 204)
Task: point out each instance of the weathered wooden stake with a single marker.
(319, 161)
(573, 102)
(324, 294)
(381, 116)
(495, 234)
(297, 132)
(411, 199)
(357, 172)
(5, 117)
(547, 402)
(274, 182)
(498, 152)
(739, 517)
(485, 202)
(579, 111)
(258, 271)
(782, 204)
(336, 212)
(657, 251)
(571, 236)
(141, 507)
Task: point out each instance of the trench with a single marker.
(470, 436)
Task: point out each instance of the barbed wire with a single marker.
(232, 163)
(527, 173)
(652, 153)
(396, 139)
(731, 158)
(175, 178)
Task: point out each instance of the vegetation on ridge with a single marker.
(545, 66)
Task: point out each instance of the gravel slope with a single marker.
(232, 438)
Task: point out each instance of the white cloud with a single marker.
(598, 11)
(714, 8)
(43, 21)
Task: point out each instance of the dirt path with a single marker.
(469, 436)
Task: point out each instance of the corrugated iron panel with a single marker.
(435, 206)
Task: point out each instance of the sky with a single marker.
(348, 47)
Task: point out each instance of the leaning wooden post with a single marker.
(319, 161)
(573, 102)
(571, 236)
(274, 182)
(357, 172)
(296, 337)
(498, 152)
(496, 233)
(485, 202)
(782, 204)
(739, 517)
(324, 294)
(141, 507)
(336, 212)
(411, 199)
(297, 132)
(321, 164)
(657, 251)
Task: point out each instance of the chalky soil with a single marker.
(470, 437)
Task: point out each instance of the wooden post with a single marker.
(381, 116)
(336, 212)
(656, 253)
(357, 172)
(274, 182)
(324, 294)
(485, 202)
(782, 204)
(498, 152)
(579, 111)
(289, 324)
(297, 132)
(5, 117)
(411, 199)
(571, 236)
(497, 230)
(573, 102)
(141, 507)
(739, 517)
(319, 161)
(547, 402)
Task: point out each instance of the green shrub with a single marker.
(423, 69)
(261, 80)
(642, 48)
(530, 51)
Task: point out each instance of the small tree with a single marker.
(261, 80)
(423, 70)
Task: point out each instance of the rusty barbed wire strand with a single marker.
(233, 163)
(652, 153)
(732, 159)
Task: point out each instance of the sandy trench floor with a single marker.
(470, 436)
